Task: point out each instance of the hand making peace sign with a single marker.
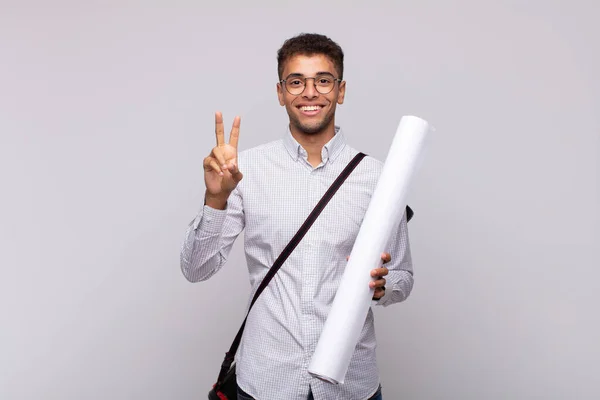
(221, 173)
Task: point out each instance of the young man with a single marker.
(269, 191)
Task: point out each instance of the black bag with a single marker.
(226, 386)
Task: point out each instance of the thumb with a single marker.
(235, 172)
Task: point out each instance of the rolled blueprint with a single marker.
(353, 298)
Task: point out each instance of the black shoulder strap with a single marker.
(409, 213)
(229, 356)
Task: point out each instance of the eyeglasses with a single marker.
(324, 83)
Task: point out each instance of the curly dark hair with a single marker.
(309, 44)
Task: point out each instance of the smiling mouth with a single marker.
(310, 110)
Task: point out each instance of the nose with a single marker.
(310, 90)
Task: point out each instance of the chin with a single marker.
(313, 128)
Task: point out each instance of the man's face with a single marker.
(310, 112)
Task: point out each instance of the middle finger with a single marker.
(383, 271)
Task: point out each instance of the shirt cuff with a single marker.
(210, 220)
(386, 295)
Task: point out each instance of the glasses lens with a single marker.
(295, 85)
(324, 83)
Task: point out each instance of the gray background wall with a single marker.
(106, 111)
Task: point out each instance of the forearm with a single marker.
(201, 256)
(209, 238)
(400, 280)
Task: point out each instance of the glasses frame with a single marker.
(284, 83)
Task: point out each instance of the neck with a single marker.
(313, 142)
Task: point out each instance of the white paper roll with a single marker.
(353, 298)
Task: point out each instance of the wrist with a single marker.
(218, 202)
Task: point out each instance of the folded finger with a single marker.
(210, 164)
(218, 154)
(386, 257)
(383, 271)
(377, 284)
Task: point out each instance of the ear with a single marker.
(280, 94)
(341, 92)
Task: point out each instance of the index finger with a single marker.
(235, 132)
(219, 129)
(386, 257)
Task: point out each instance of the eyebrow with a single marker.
(297, 74)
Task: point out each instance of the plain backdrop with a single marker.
(107, 110)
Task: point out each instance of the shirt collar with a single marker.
(331, 150)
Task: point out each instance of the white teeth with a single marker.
(310, 108)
